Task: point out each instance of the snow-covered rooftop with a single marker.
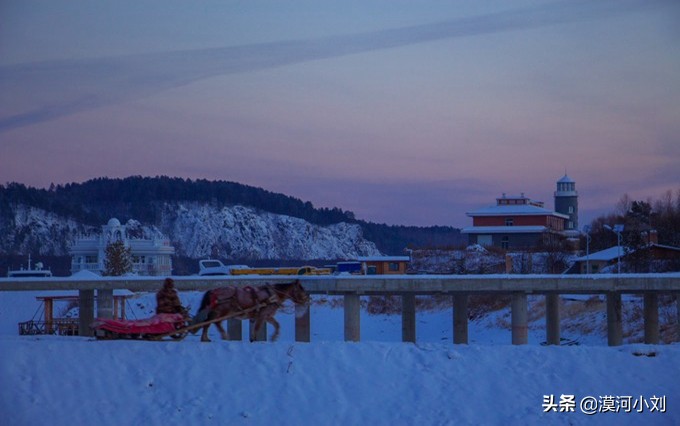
(515, 210)
(663, 246)
(607, 254)
(566, 179)
(613, 252)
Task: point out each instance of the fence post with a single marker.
(303, 326)
(116, 307)
(651, 313)
(520, 328)
(614, 326)
(408, 317)
(460, 318)
(352, 317)
(86, 308)
(552, 318)
(49, 315)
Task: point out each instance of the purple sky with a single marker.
(403, 112)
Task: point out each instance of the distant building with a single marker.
(514, 222)
(596, 262)
(663, 257)
(566, 202)
(520, 222)
(384, 265)
(150, 256)
(37, 272)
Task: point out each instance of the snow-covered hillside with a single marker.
(197, 230)
(35, 231)
(237, 232)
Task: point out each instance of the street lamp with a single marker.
(617, 229)
(586, 230)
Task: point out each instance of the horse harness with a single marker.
(264, 295)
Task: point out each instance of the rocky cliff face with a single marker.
(30, 230)
(197, 230)
(244, 233)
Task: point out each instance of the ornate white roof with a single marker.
(113, 222)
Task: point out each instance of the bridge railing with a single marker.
(459, 287)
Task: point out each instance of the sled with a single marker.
(157, 325)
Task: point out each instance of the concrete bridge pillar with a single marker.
(235, 329)
(408, 318)
(460, 318)
(552, 319)
(352, 317)
(520, 326)
(614, 324)
(104, 303)
(86, 308)
(651, 313)
(303, 327)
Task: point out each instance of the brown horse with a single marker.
(258, 303)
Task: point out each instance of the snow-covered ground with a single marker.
(76, 380)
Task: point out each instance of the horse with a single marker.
(258, 303)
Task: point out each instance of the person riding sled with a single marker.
(167, 300)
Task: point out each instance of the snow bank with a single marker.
(79, 381)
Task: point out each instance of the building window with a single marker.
(505, 242)
(509, 221)
(571, 209)
(571, 225)
(484, 240)
(393, 266)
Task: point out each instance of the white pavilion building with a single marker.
(150, 256)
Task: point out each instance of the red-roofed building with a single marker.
(515, 222)
(520, 222)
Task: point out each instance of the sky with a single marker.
(403, 112)
(378, 381)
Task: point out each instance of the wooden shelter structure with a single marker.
(48, 324)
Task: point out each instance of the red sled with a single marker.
(157, 326)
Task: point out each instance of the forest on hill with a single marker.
(95, 201)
